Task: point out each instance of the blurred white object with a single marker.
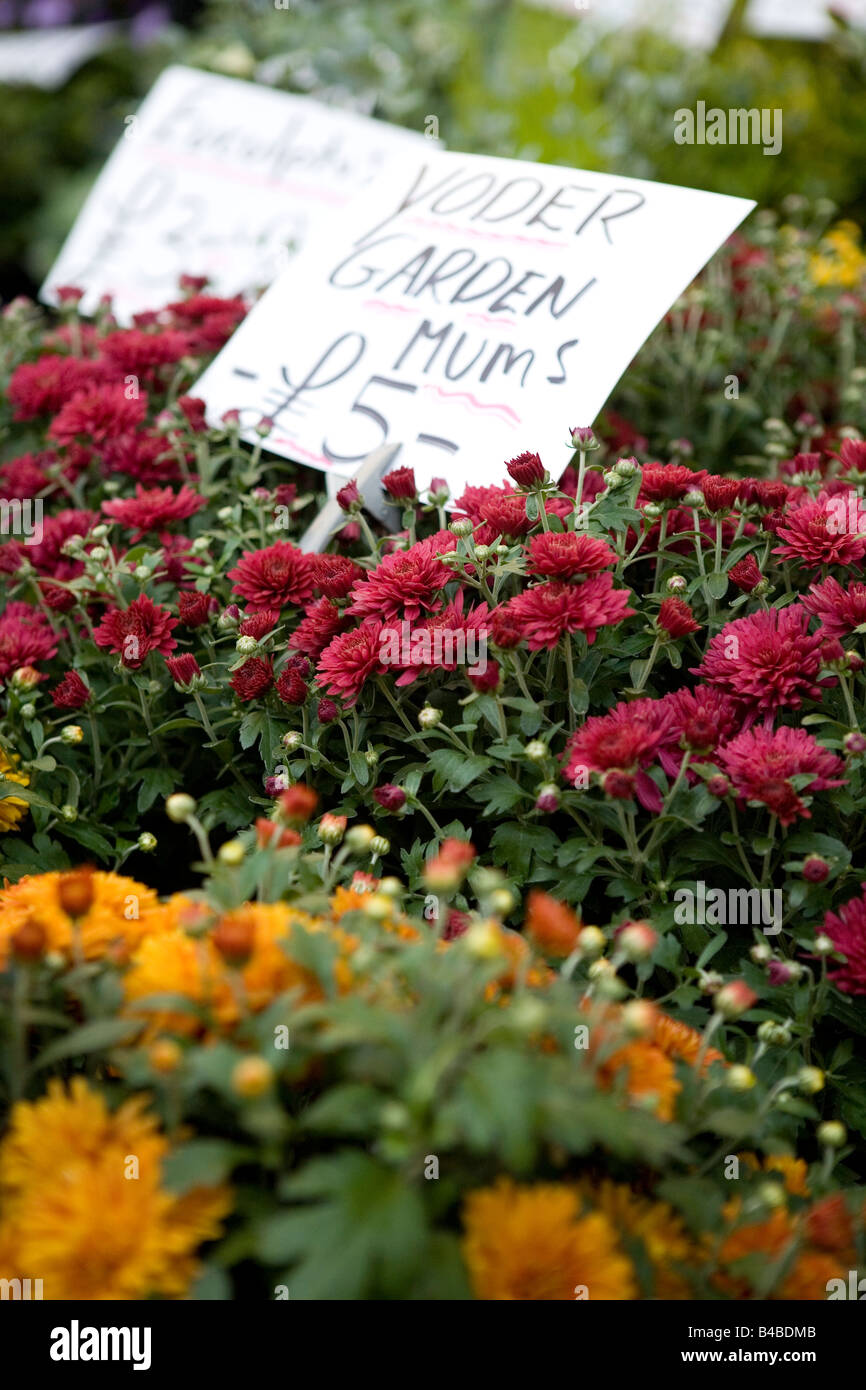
(801, 19)
(48, 57)
(691, 23)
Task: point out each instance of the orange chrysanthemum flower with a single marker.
(532, 1243)
(660, 1229)
(82, 914)
(650, 1076)
(82, 1201)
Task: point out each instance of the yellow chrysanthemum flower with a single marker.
(531, 1243)
(83, 914)
(12, 808)
(668, 1245)
(82, 1201)
(839, 262)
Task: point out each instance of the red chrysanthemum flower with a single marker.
(527, 469)
(400, 484)
(406, 583)
(546, 612)
(98, 415)
(840, 611)
(847, 930)
(152, 508)
(768, 494)
(193, 410)
(626, 740)
(258, 625)
(291, 687)
(44, 387)
(745, 574)
(253, 679)
(719, 493)
(760, 763)
(815, 534)
(194, 608)
(676, 618)
(134, 352)
(334, 575)
(699, 720)
(136, 631)
(567, 554)
(25, 638)
(767, 660)
(350, 659)
(71, 693)
(144, 456)
(667, 482)
(442, 642)
(183, 669)
(320, 624)
(273, 577)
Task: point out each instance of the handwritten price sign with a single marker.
(216, 177)
(469, 307)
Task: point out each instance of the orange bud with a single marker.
(553, 927)
(29, 941)
(234, 938)
(76, 891)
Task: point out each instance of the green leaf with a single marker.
(202, 1163)
(456, 769)
(97, 1036)
(717, 584)
(251, 728)
(361, 1234)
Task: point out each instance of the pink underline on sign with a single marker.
(231, 171)
(485, 318)
(393, 308)
(486, 235)
(477, 405)
(299, 449)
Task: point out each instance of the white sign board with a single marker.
(691, 23)
(48, 57)
(470, 308)
(801, 19)
(215, 177)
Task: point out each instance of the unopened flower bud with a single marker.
(637, 941)
(734, 999)
(179, 807)
(831, 1134)
(24, 678)
(677, 584)
(710, 981)
(379, 846)
(591, 941)
(291, 741)
(360, 837)
(815, 868)
(461, 527)
(774, 1034)
(824, 945)
(71, 734)
(245, 646)
(28, 712)
(332, 829)
(740, 1078)
(252, 1077)
(639, 1017)
(502, 901)
(810, 1080)
(429, 717)
(535, 751)
(231, 853)
(68, 812)
(626, 468)
(164, 1055)
(146, 842)
(772, 1194)
(761, 953)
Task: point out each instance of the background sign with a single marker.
(215, 177)
(470, 308)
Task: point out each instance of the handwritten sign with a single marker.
(802, 19)
(470, 308)
(215, 177)
(691, 23)
(47, 58)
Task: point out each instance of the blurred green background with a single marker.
(500, 76)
